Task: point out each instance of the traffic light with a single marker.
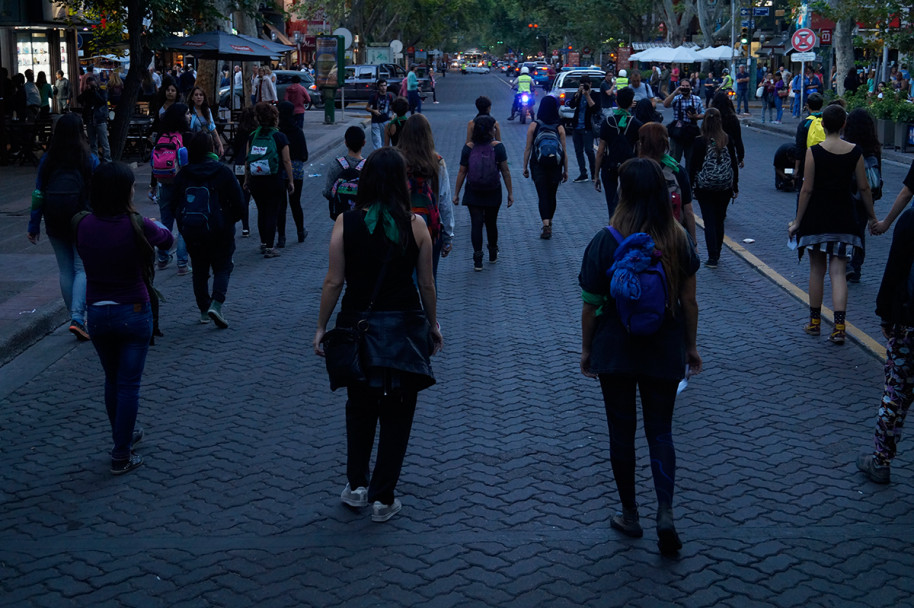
(533, 25)
(744, 35)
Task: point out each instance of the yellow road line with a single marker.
(876, 348)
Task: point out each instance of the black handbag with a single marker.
(343, 345)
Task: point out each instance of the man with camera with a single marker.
(585, 106)
(687, 111)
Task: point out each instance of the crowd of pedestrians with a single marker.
(393, 222)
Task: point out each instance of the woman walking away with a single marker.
(116, 243)
(268, 155)
(247, 124)
(429, 184)
(825, 222)
(168, 155)
(207, 205)
(730, 123)
(895, 307)
(483, 162)
(298, 155)
(654, 143)
(860, 129)
(545, 159)
(201, 118)
(61, 191)
(715, 178)
(652, 363)
(375, 249)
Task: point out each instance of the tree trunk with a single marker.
(844, 50)
(246, 25)
(140, 56)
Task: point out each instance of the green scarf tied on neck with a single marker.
(669, 161)
(212, 156)
(378, 213)
(622, 117)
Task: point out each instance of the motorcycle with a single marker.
(525, 103)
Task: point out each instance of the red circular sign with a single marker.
(803, 40)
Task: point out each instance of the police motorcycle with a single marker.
(524, 101)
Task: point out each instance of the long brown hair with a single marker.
(653, 141)
(712, 128)
(418, 148)
(644, 206)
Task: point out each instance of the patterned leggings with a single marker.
(899, 392)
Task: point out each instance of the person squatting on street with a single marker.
(483, 164)
(298, 155)
(115, 244)
(374, 250)
(268, 155)
(715, 178)
(653, 364)
(825, 223)
(208, 202)
(546, 162)
(64, 175)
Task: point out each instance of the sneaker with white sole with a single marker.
(357, 498)
(382, 512)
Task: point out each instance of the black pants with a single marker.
(657, 399)
(610, 179)
(246, 215)
(714, 211)
(583, 146)
(268, 193)
(215, 255)
(546, 180)
(293, 201)
(856, 262)
(364, 409)
(480, 216)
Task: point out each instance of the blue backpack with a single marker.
(638, 283)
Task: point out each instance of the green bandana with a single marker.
(212, 156)
(622, 117)
(377, 213)
(669, 161)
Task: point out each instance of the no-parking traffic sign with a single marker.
(803, 40)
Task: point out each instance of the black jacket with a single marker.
(892, 300)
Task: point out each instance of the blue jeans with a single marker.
(415, 102)
(120, 335)
(166, 192)
(767, 110)
(796, 106)
(377, 134)
(98, 136)
(583, 147)
(72, 277)
(779, 106)
(742, 96)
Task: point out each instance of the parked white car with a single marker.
(476, 69)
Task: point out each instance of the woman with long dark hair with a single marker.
(730, 123)
(115, 243)
(483, 193)
(167, 96)
(174, 122)
(374, 250)
(860, 129)
(64, 175)
(298, 155)
(201, 118)
(550, 172)
(714, 176)
(825, 223)
(429, 184)
(654, 143)
(651, 364)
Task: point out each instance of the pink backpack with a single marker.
(164, 160)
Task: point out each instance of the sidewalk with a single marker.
(30, 302)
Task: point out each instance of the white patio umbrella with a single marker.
(680, 54)
(646, 55)
(718, 53)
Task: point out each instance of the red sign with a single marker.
(825, 36)
(555, 53)
(803, 40)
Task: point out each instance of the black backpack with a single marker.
(345, 191)
(620, 148)
(65, 195)
(547, 145)
(199, 212)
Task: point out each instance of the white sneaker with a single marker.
(357, 498)
(382, 512)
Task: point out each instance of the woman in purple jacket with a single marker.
(116, 244)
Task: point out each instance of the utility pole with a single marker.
(733, 13)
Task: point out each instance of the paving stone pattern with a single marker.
(507, 489)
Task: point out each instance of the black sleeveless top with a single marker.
(365, 254)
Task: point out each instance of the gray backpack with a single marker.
(716, 170)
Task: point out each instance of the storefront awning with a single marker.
(280, 36)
